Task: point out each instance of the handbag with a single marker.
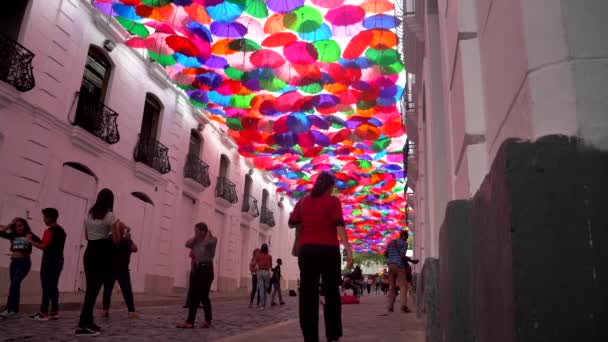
(295, 249)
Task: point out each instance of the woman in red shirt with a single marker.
(320, 217)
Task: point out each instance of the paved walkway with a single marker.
(233, 322)
(365, 322)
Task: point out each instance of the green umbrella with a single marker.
(392, 69)
(241, 101)
(364, 105)
(164, 60)
(234, 124)
(272, 84)
(382, 57)
(244, 45)
(313, 88)
(133, 27)
(256, 8)
(303, 19)
(155, 3)
(381, 144)
(234, 74)
(198, 104)
(328, 50)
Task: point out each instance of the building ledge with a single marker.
(88, 142)
(222, 202)
(192, 188)
(158, 74)
(148, 174)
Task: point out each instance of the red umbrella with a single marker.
(182, 45)
(345, 15)
(279, 39)
(267, 59)
(358, 44)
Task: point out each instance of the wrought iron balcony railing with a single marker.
(152, 153)
(197, 170)
(250, 206)
(16, 64)
(267, 217)
(226, 190)
(97, 119)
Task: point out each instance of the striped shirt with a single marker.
(396, 249)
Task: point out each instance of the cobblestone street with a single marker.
(233, 322)
(155, 324)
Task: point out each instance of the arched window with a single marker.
(151, 119)
(224, 166)
(93, 88)
(142, 196)
(82, 168)
(196, 144)
(265, 199)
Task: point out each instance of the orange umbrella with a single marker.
(274, 24)
(221, 47)
(198, 13)
(377, 6)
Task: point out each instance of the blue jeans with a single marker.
(263, 283)
(19, 269)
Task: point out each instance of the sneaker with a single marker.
(12, 314)
(273, 304)
(282, 303)
(54, 316)
(86, 332)
(206, 325)
(4, 313)
(94, 327)
(133, 315)
(40, 317)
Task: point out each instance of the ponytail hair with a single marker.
(324, 183)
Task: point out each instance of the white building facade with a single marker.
(483, 71)
(102, 116)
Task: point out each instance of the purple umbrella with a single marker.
(282, 6)
(228, 30)
(216, 62)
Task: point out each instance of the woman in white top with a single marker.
(100, 226)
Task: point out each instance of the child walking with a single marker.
(276, 283)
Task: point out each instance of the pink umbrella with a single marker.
(300, 53)
(241, 61)
(345, 15)
(254, 27)
(328, 3)
(267, 59)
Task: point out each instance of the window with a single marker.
(93, 88)
(247, 189)
(151, 119)
(224, 166)
(265, 199)
(196, 143)
(11, 17)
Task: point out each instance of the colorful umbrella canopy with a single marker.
(302, 86)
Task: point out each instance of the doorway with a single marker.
(77, 188)
(217, 230)
(184, 232)
(139, 217)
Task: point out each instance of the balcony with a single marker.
(267, 217)
(16, 64)
(250, 206)
(152, 153)
(97, 119)
(197, 170)
(226, 189)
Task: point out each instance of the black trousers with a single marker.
(97, 266)
(254, 289)
(49, 279)
(320, 261)
(121, 274)
(200, 285)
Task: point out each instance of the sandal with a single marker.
(405, 309)
(185, 326)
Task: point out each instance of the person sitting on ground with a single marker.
(347, 293)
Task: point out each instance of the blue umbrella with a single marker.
(381, 21)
